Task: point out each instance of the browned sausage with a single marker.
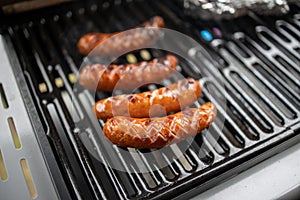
(127, 76)
(157, 132)
(121, 42)
(170, 99)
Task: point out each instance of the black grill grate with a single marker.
(257, 75)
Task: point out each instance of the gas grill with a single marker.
(52, 146)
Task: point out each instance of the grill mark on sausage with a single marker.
(148, 133)
(128, 76)
(108, 44)
(171, 98)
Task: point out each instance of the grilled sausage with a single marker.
(146, 133)
(119, 43)
(170, 99)
(126, 77)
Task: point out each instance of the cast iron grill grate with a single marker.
(256, 75)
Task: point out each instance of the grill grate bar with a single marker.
(213, 132)
(242, 83)
(239, 137)
(268, 58)
(167, 173)
(27, 60)
(296, 20)
(72, 103)
(261, 83)
(182, 158)
(265, 73)
(288, 46)
(143, 166)
(65, 49)
(104, 147)
(263, 97)
(136, 184)
(54, 116)
(263, 32)
(233, 113)
(61, 56)
(289, 29)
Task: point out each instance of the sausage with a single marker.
(126, 77)
(170, 99)
(147, 133)
(119, 43)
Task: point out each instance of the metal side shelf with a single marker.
(24, 174)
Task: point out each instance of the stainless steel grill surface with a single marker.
(253, 77)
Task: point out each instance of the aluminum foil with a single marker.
(208, 9)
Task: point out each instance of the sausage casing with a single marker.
(147, 133)
(109, 44)
(126, 77)
(170, 99)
